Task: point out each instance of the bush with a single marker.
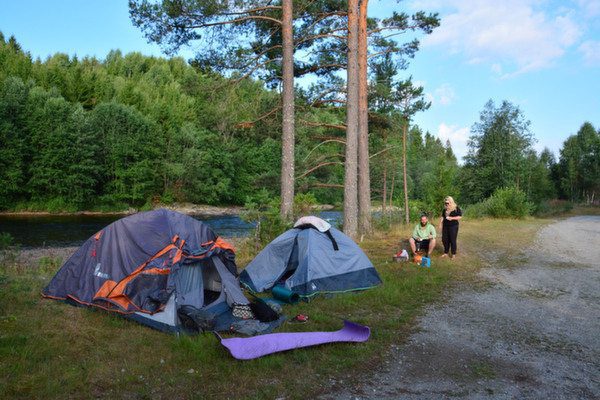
(9, 251)
(417, 208)
(263, 211)
(504, 203)
(303, 204)
(385, 222)
(6, 240)
(477, 210)
(553, 207)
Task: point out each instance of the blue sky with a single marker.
(542, 55)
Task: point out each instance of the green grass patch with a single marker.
(51, 350)
(482, 370)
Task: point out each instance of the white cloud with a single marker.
(591, 8)
(445, 94)
(591, 52)
(519, 34)
(458, 137)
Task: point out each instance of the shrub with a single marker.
(504, 203)
(9, 251)
(6, 240)
(417, 208)
(263, 211)
(553, 207)
(477, 210)
(303, 204)
(385, 222)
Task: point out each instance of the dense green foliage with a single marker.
(132, 130)
(498, 151)
(501, 156)
(128, 130)
(578, 170)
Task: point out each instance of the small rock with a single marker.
(191, 371)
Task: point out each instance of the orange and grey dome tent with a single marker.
(160, 268)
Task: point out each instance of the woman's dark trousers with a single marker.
(449, 235)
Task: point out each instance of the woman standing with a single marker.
(451, 214)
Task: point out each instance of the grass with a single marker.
(482, 370)
(51, 350)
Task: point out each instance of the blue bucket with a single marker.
(425, 262)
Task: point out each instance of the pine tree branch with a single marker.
(327, 185)
(383, 151)
(322, 143)
(321, 165)
(235, 21)
(252, 10)
(250, 124)
(324, 125)
(256, 67)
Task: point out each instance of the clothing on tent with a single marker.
(316, 222)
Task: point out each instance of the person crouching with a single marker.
(423, 237)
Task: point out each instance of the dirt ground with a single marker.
(530, 330)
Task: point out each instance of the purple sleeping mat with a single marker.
(258, 346)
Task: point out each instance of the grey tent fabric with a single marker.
(306, 262)
(156, 268)
(230, 285)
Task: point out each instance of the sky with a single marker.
(541, 55)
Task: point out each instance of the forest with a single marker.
(132, 130)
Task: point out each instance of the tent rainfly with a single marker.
(160, 268)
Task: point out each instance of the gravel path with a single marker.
(532, 331)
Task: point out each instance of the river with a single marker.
(31, 231)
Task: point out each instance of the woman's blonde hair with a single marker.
(452, 205)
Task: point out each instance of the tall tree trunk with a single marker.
(391, 202)
(287, 142)
(384, 178)
(351, 167)
(364, 179)
(406, 212)
(392, 186)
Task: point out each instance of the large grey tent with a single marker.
(161, 268)
(309, 259)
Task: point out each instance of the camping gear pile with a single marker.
(401, 256)
(171, 272)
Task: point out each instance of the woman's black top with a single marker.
(455, 213)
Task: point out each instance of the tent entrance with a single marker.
(212, 284)
(291, 267)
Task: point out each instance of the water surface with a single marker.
(72, 230)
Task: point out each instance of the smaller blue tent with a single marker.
(310, 259)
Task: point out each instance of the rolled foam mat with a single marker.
(284, 294)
